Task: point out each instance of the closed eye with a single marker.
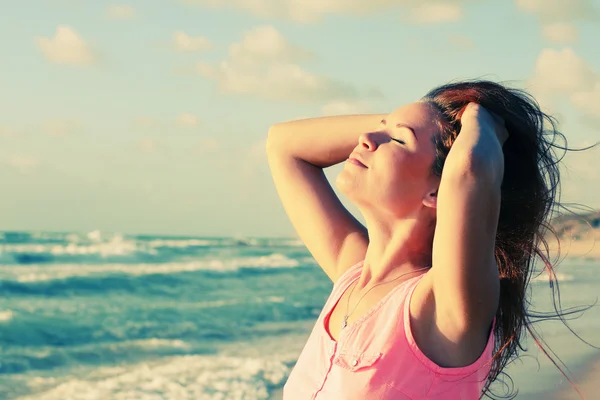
(398, 140)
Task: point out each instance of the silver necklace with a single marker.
(345, 322)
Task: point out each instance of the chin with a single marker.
(344, 183)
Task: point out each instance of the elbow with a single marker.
(270, 139)
(273, 137)
(278, 140)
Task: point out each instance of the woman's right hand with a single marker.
(486, 119)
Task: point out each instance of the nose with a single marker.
(367, 141)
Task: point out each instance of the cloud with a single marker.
(577, 184)
(564, 74)
(424, 11)
(266, 44)
(185, 43)
(61, 127)
(8, 132)
(557, 16)
(24, 163)
(208, 146)
(560, 32)
(559, 10)
(278, 82)
(120, 12)
(187, 120)
(582, 169)
(588, 101)
(435, 13)
(66, 47)
(265, 64)
(148, 145)
(345, 108)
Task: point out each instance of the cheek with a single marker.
(399, 184)
(410, 168)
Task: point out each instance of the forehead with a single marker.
(420, 116)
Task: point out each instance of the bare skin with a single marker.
(367, 303)
(453, 305)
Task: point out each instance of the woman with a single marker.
(428, 298)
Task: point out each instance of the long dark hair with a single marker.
(529, 195)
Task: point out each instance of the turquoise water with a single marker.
(109, 316)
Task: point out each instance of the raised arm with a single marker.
(297, 152)
(464, 275)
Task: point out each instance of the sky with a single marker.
(150, 117)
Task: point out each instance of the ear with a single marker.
(430, 200)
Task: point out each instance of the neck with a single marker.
(396, 249)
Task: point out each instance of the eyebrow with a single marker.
(401, 125)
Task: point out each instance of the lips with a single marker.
(357, 161)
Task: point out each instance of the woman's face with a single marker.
(398, 155)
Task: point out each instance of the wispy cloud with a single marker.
(186, 120)
(558, 16)
(564, 74)
(264, 44)
(8, 132)
(425, 11)
(435, 13)
(588, 101)
(61, 127)
(24, 163)
(120, 12)
(580, 173)
(186, 43)
(560, 32)
(345, 108)
(208, 146)
(559, 10)
(279, 82)
(264, 64)
(66, 47)
(148, 145)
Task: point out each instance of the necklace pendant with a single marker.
(345, 323)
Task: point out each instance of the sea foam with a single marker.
(46, 272)
(177, 378)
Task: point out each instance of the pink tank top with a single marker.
(376, 357)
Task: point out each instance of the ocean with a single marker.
(111, 316)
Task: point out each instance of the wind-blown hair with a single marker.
(529, 192)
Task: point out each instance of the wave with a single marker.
(182, 377)
(34, 343)
(39, 273)
(96, 248)
(43, 358)
(6, 315)
(172, 322)
(115, 249)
